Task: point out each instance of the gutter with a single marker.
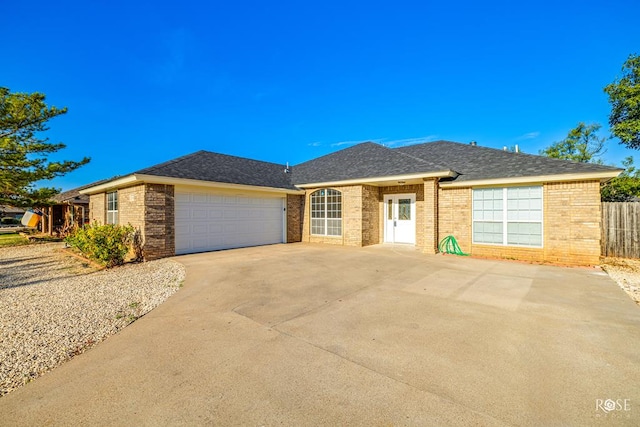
(135, 179)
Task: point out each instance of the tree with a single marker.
(624, 97)
(624, 187)
(23, 156)
(582, 144)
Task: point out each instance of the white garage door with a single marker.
(208, 220)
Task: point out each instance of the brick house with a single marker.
(495, 203)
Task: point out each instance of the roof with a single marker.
(453, 162)
(366, 160)
(215, 167)
(74, 195)
(474, 162)
(11, 210)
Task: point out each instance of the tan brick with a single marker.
(150, 209)
(98, 208)
(571, 224)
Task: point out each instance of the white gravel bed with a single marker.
(626, 273)
(54, 306)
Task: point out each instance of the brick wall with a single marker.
(97, 208)
(571, 224)
(352, 215)
(295, 212)
(131, 206)
(430, 214)
(370, 215)
(454, 215)
(159, 228)
(352, 231)
(363, 215)
(149, 208)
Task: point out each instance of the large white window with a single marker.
(508, 216)
(326, 212)
(112, 207)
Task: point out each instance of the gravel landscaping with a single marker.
(626, 273)
(54, 306)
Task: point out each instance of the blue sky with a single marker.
(285, 81)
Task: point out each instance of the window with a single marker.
(112, 207)
(404, 209)
(508, 216)
(326, 212)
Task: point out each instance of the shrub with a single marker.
(106, 244)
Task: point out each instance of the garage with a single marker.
(214, 219)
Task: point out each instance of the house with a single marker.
(495, 203)
(68, 209)
(7, 211)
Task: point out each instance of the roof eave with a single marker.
(536, 179)
(167, 180)
(383, 180)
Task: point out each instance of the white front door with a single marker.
(400, 218)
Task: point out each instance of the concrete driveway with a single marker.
(316, 335)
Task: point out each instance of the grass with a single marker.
(16, 239)
(12, 239)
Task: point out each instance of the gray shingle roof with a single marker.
(215, 167)
(74, 195)
(366, 160)
(475, 162)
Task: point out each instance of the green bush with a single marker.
(106, 244)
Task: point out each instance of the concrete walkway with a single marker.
(315, 335)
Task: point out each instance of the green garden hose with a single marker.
(449, 245)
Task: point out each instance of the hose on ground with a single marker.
(449, 245)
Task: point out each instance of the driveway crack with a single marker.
(436, 395)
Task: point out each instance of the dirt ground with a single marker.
(626, 272)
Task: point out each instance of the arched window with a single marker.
(326, 212)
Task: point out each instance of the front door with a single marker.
(400, 218)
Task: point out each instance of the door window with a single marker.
(404, 209)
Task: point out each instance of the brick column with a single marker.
(430, 213)
(159, 221)
(295, 212)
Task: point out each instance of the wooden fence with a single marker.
(621, 229)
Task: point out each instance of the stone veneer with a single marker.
(295, 213)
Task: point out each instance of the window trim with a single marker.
(325, 210)
(505, 221)
(114, 212)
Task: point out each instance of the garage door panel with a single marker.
(214, 229)
(200, 229)
(208, 221)
(199, 198)
(182, 198)
(199, 214)
(215, 214)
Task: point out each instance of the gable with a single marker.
(363, 161)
